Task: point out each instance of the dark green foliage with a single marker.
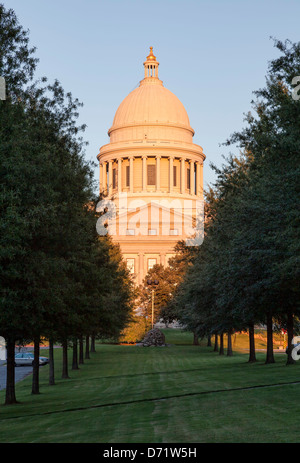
(17, 60)
(59, 280)
(247, 270)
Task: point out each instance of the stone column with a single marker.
(144, 180)
(119, 175)
(158, 173)
(104, 179)
(141, 267)
(198, 179)
(171, 179)
(182, 182)
(110, 178)
(192, 178)
(131, 173)
(100, 177)
(201, 180)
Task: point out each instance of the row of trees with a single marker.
(59, 279)
(247, 270)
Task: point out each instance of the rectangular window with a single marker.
(130, 265)
(151, 263)
(151, 174)
(188, 179)
(127, 175)
(174, 175)
(152, 231)
(174, 232)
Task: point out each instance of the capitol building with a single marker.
(152, 171)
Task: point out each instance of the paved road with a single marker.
(20, 373)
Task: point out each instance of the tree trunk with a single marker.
(51, 363)
(10, 397)
(290, 332)
(93, 345)
(75, 355)
(209, 341)
(270, 353)
(36, 367)
(221, 352)
(252, 355)
(196, 340)
(81, 361)
(65, 374)
(216, 348)
(87, 347)
(229, 345)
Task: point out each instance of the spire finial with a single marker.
(151, 56)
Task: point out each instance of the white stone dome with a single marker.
(151, 103)
(151, 111)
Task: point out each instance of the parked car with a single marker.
(26, 358)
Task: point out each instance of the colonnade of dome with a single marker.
(160, 173)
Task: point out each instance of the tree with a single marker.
(17, 58)
(17, 65)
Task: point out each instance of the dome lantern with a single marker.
(151, 65)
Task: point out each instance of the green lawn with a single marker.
(176, 394)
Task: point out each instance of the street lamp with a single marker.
(155, 283)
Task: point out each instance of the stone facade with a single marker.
(153, 172)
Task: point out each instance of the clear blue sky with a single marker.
(213, 54)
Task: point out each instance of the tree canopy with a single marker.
(247, 269)
(59, 279)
